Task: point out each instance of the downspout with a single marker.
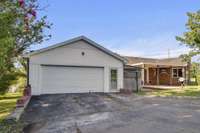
(27, 71)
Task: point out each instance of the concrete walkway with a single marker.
(164, 87)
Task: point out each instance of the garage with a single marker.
(78, 65)
(66, 79)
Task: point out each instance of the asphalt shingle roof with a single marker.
(165, 61)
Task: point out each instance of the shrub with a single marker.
(7, 80)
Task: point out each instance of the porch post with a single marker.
(184, 75)
(142, 76)
(170, 75)
(157, 74)
(147, 75)
(183, 72)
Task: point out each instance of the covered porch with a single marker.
(158, 75)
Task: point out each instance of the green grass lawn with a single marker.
(7, 103)
(192, 91)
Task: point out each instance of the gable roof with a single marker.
(83, 38)
(152, 61)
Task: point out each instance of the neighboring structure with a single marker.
(160, 71)
(76, 66)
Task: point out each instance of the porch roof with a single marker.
(138, 61)
(136, 68)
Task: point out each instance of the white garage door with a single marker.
(71, 79)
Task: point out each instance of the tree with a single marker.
(191, 37)
(20, 28)
(195, 72)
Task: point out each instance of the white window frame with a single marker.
(111, 77)
(177, 69)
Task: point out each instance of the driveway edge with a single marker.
(175, 97)
(16, 114)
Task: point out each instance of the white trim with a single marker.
(177, 69)
(142, 75)
(147, 74)
(106, 80)
(156, 64)
(137, 64)
(110, 86)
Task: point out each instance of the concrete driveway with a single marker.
(99, 113)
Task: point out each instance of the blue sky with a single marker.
(129, 27)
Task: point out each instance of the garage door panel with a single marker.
(71, 79)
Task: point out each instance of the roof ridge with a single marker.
(138, 57)
(151, 58)
(84, 38)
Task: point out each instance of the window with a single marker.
(113, 75)
(180, 73)
(177, 72)
(113, 78)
